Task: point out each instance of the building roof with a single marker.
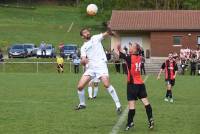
(156, 20)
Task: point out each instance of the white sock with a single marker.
(81, 95)
(96, 91)
(90, 92)
(113, 93)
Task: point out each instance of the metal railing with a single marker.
(37, 67)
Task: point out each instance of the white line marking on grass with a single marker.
(70, 27)
(122, 118)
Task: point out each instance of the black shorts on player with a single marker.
(60, 66)
(170, 82)
(136, 91)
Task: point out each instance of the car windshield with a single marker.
(28, 46)
(69, 48)
(18, 47)
(49, 47)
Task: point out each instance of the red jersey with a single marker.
(133, 63)
(170, 67)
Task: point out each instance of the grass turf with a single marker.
(43, 104)
(45, 23)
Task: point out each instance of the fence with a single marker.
(41, 67)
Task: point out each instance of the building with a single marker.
(158, 31)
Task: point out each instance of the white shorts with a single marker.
(97, 71)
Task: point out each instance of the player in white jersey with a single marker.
(94, 83)
(92, 53)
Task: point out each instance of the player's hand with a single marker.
(158, 78)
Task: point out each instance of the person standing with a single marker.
(142, 70)
(60, 64)
(43, 48)
(193, 65)
(76, 62)
(171, 70)
(135, 85)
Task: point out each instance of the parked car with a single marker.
(50, 52)
(17, 50)
(32, 50)
(68, 50)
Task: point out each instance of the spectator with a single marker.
(117, 65)
(108, 55)
(183, 66)
(198, 68)
(142, 67)
(60, 64)
(43, 48)
(124, 67)
(193, 63)
(61, 48)
(76, 62)
(1, 56)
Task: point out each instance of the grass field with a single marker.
(43, 103)
(45, 23)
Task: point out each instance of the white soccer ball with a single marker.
(92, 9)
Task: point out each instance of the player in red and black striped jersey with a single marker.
(135, 85)
(170, 67)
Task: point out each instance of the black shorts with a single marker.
(60, 66)
(136, 91)
(170, 82)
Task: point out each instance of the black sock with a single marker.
(131, 115)
(149, 111)
(167, 93)
(170, 93)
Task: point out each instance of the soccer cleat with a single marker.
(79, 107)
(166, 99)
(94, 97)
(171, 100)
(128, 126)
(119, 110)
(151, 123)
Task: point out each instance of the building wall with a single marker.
(142, 38)
(162, 42)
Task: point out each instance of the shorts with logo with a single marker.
(97, 71)
(170, 82)
(136, 91)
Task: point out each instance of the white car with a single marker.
(30, 49)
(50, 52)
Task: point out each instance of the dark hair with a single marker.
(81, 32)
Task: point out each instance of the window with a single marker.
(177, 40)
(198, 40)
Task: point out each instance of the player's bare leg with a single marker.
(82, 83)
(131, 114)
(148, 112)
(112, 92)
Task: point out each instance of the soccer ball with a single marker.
(92, 9)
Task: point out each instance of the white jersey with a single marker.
(94, 51)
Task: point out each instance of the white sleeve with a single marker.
(83, 51)
(98, 37)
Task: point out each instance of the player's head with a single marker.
(85, 33)
(170, 56)
(134, 48)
